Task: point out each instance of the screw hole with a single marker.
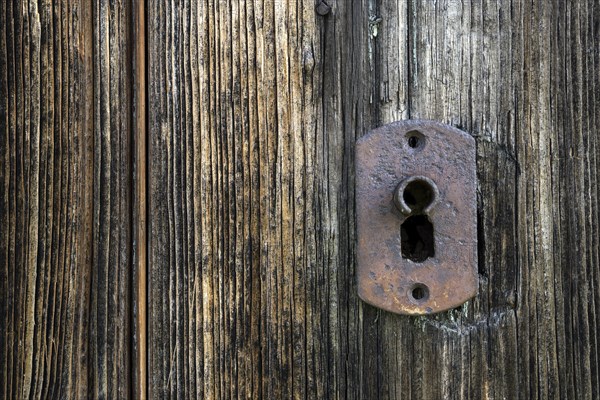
(415, 140)
(419, 293)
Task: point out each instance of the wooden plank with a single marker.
(230, 156)
(45, 218)
(516, 76)
(65, 199)
(111, 303)
(254, 109)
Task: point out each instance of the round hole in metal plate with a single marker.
(419, 293)
(415, 140)
(419, 194)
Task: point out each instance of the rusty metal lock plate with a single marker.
(416, 213)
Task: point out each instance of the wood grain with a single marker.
(246, 200)
(45, 218)
(254, 108)
(234, 305)
(65, 199)
(518, 77)
(112, 273)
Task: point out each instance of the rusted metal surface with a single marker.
(416, 217)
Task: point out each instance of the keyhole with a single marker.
(416, 238)
(415, 197)
(418, 195)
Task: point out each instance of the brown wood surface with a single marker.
(65, 199)
(254, 109)
(177, 197)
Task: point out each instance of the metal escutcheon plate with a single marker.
(416, 213)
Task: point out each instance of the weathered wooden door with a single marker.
(177, 197)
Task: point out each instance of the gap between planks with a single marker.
(139, 204)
